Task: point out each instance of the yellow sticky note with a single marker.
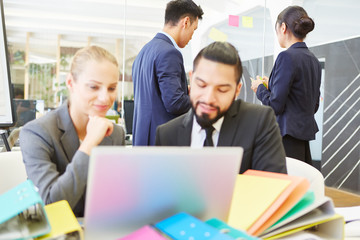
(247, 22)
(252, 196)
(217, 35)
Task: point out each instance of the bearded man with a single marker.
(217, 119)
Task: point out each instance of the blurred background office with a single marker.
(43, 35)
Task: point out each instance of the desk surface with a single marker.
(342, 198)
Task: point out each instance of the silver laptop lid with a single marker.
(131, 187)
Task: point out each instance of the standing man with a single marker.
(216, 119)
(160, 85)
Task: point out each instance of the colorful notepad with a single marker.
(270, 205)
(291, 195)
(253, 196)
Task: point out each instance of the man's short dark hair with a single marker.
(222, 52)
(178, 9)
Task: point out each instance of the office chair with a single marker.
(12, 170)
(128, 117)
(12, 139)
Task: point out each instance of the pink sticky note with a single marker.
(233, 20)
(145, 232)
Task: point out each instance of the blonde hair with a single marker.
(87, 54)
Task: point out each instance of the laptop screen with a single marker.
(132, 187)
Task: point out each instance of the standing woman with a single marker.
(294, 84)
(56, 147)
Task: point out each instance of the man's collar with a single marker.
(216, 125)
(172, 40)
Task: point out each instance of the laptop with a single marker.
(129, 188)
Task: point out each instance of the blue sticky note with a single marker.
(183, 226)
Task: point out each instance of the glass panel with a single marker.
(335, 42)
(249, 25)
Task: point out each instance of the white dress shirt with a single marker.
(198, 134)
(172, 40)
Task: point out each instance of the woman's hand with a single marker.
(97, 128)
(259, 80)
(266, 82)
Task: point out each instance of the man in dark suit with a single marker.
(160, 85)
(215, 84)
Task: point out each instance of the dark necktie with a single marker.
(208, 140)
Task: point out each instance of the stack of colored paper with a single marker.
(270, 205)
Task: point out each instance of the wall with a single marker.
(341, 116)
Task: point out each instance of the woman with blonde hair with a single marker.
(56, 147)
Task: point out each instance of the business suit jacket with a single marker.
(250, 126)
(160, 88)
(49, 147)
(294, 91)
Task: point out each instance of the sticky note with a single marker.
(183, 226)
(146, 232)
(217, 35)
(247, 22)
(233, 20)
(253, 195)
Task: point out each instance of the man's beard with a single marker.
(203, 120)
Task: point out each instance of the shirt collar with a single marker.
(172, 40)
(216, 125)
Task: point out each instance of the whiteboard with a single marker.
(7, 115)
